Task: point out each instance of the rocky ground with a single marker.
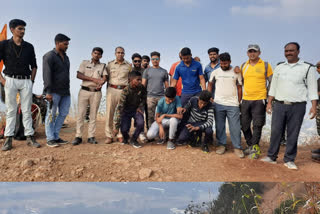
(116, 162)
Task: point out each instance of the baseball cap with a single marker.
(253, 47)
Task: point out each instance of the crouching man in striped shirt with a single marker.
(200, 119)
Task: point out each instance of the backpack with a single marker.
(266, 66)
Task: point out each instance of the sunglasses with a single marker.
(252, 51)
(153, 59)
(318, 66)
(136, 61)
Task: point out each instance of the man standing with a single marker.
(293, 82)
(155, 79)
(18, 57)
(145, 62)
(137, 66)
(93, 75)
(56, 81)
(118, 71)
(213, 65)
(171, 74)
(227, 99)
(255, 73)
(136, 61)
(191, 74)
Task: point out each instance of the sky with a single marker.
(98, 198)
(167, 26)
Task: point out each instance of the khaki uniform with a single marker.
(92, 98)
(117, 77)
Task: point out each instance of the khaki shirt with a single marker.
(118, 73)
(89, 69)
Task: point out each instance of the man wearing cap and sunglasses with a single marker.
(256, 75)
(293, 83)
(20, 71)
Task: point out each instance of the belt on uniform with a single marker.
(21, 77)
(117, 86)
(90, 89)
(289, 103)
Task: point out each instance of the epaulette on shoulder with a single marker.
(280, 63)
(110, 62)
(309, 63)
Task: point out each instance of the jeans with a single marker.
(126, 124)
(24, 87)
(186, 97)
(171, 123)
(233, 114)
(54, 122)
(185, 135)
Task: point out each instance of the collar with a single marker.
(124, 62)
(192, 62)
(94, 63)
(260, 61)
(300, 62)
(56, 52)
(11, 40)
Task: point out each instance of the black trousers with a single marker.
(255, 111)
(286, 115)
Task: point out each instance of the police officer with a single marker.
(294, 81)
(93, 75)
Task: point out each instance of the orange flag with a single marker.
(3, 36)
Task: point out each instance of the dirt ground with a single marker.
(152, 162)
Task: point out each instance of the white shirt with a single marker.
(226, 83)
(291, 83)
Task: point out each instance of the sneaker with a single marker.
(170, 145)
(125, 142)
(52, 143)
(32, 142)
(205, 148)
(239, 153)
(92, 140)
(221, 150)
(180, 143)
(143, 138)
(255, 152)
(135, 144)
(61, 142)
(268, 160)
(291, 165)
(247, 150)
(77, 141)
(160, 141)
(7, 144)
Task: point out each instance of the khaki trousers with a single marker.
(113, 98)
(86, 98)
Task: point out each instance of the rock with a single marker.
(27, 163)
(138, 163)
(145, 173)
(26, 171)
(39, 175)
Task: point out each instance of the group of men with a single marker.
(193, 102)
